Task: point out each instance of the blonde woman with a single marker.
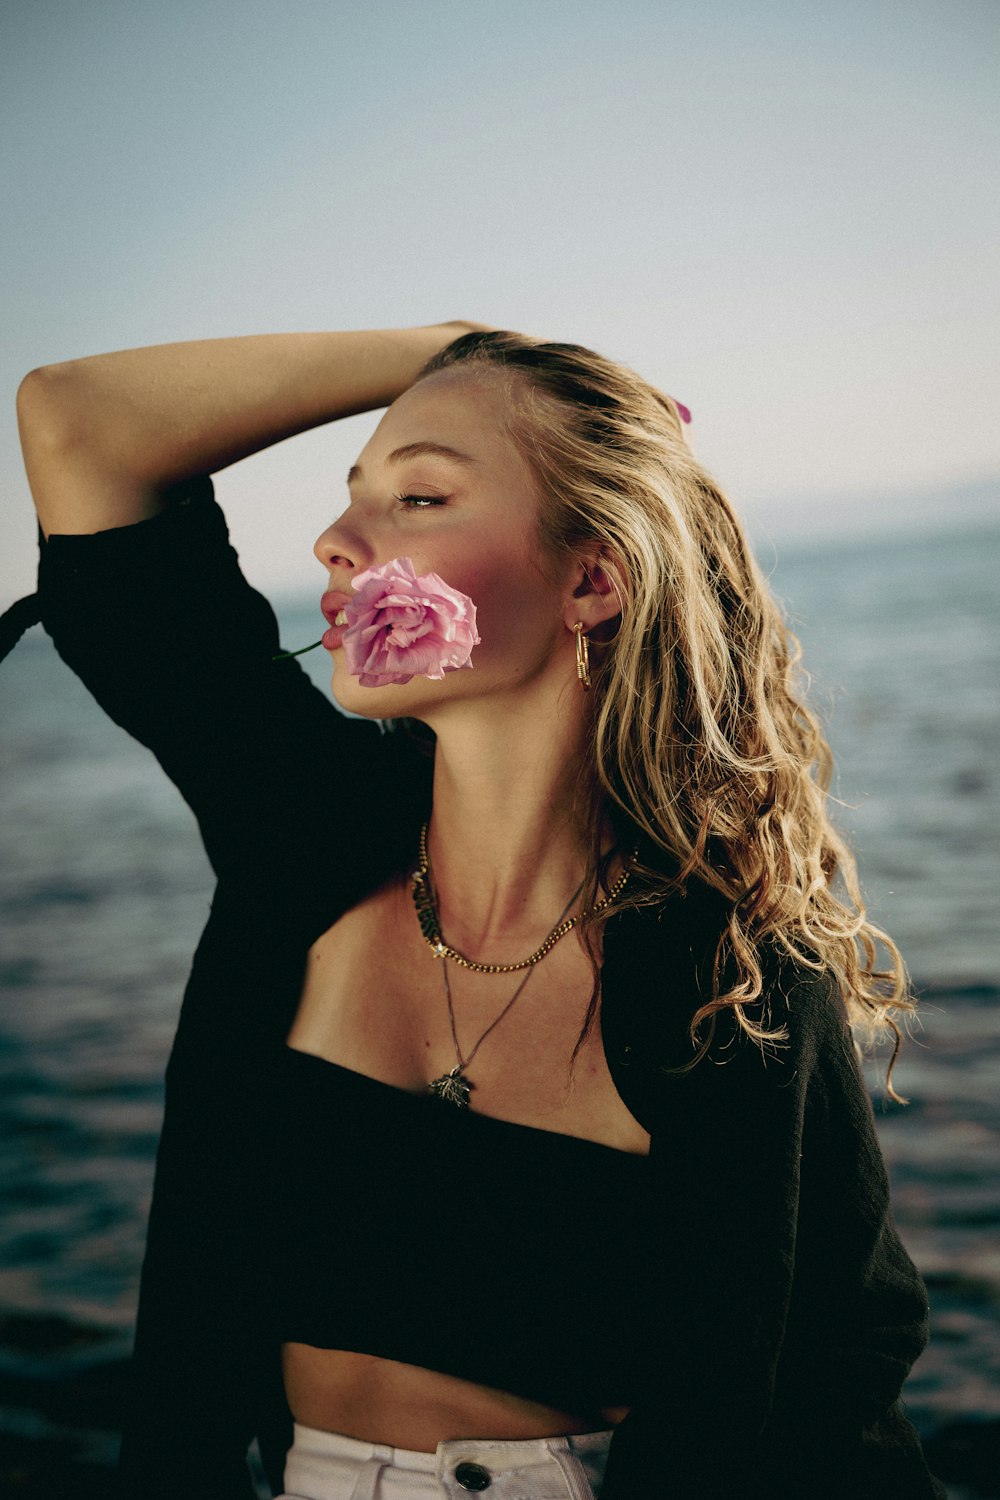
(514, 1136)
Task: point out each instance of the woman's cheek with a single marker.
(517, 631)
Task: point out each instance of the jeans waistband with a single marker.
(330, 1466)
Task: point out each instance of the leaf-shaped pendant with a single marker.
(452, 1088)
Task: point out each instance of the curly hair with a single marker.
(700, 739)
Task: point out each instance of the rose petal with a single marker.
(401, 626)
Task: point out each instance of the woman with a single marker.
(619, 1226)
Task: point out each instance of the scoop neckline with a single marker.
(491, 1121)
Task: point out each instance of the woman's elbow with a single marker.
(49, 402)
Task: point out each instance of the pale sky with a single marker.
(784, 213)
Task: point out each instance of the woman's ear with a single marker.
(597, 589)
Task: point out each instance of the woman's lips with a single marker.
(333, 606)
(332, 602)
(333, 637)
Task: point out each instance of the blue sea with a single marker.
(104, 890)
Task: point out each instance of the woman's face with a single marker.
(471, 516)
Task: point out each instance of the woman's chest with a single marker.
(377, 1000)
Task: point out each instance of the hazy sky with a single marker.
(785, 213)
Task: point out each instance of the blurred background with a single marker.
(786, 215)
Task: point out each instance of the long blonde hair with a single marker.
(699, 733)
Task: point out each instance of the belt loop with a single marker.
(577, 1484)
(366, 1484)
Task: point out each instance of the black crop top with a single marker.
(508, 1255)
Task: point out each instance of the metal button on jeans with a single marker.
(473, 1477)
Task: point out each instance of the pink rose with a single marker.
(401, 626)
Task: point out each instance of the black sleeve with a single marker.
(160, 624)
(300, 808)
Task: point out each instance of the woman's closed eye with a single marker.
(419, 502)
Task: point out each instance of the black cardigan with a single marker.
(785, 1312)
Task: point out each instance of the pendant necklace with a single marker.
(454, 1087)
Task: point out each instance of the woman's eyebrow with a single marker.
(417, 450)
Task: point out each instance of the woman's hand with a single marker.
(103, 437)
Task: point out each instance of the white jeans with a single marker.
(327, 1466)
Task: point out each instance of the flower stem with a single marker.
(285, 655)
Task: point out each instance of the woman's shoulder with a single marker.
(657, 973)
(670, 941)
(159, 622)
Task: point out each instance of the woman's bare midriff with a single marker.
(382, 1401)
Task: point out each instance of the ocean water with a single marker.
(104, 889)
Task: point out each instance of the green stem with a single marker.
(285, 655)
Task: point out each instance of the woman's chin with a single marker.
(394, 700)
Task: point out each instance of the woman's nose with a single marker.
(340, 547)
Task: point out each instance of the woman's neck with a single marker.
(508, 842)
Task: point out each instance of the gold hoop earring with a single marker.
(582, 656)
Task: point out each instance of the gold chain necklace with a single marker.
(454, 1087)
(423, 900)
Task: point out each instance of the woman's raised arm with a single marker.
(103, 437)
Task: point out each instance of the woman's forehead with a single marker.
(462, 411)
